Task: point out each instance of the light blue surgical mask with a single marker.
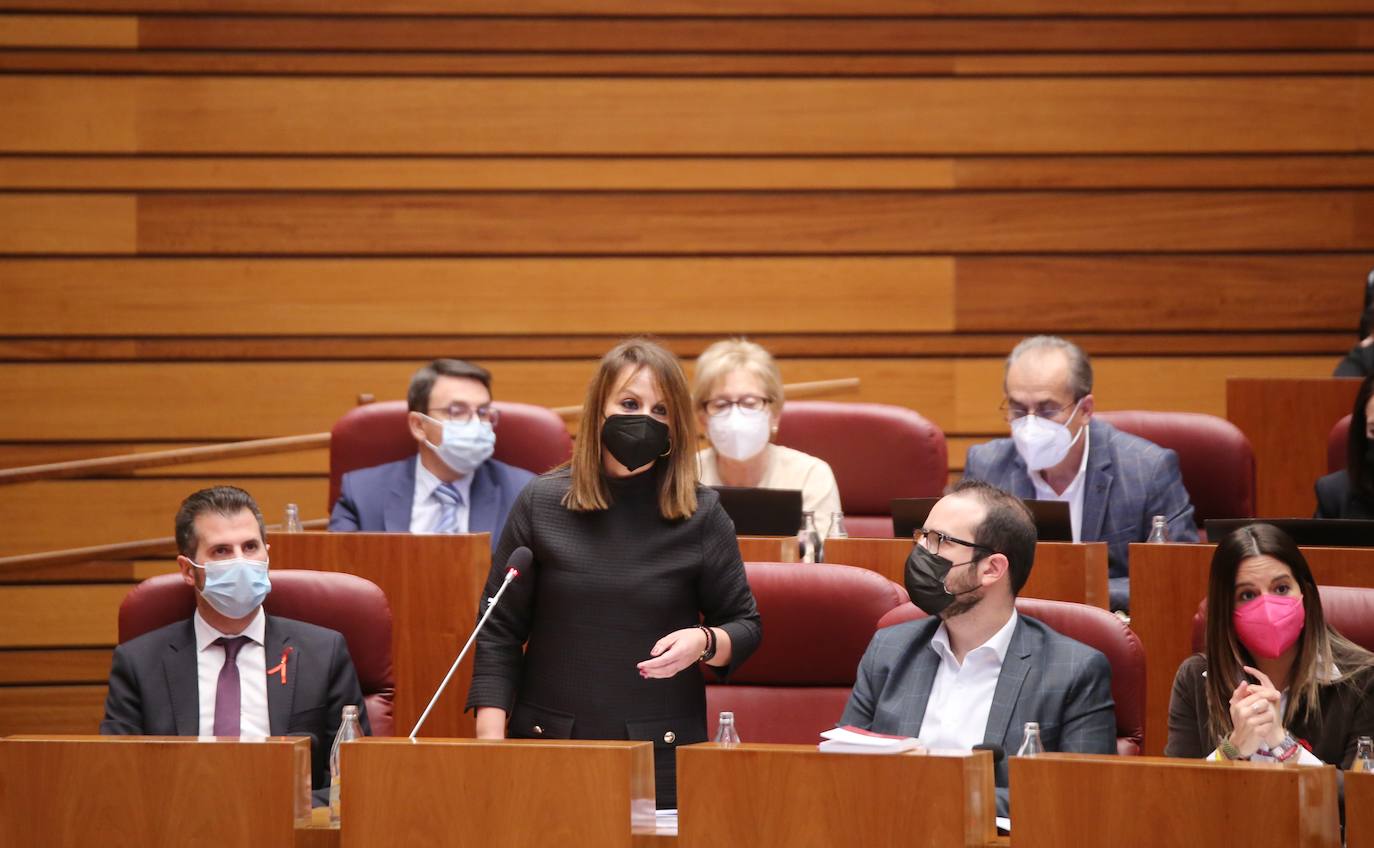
(235, 587)
(466, 444)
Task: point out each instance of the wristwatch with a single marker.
(1285, 750)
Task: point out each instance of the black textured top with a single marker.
(603, 588)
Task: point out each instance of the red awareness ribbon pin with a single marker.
(281, 666)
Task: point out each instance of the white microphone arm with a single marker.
(511, 574)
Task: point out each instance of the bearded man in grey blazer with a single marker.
(975, 671)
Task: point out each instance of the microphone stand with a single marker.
(511, 574)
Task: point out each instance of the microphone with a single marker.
(520, 559)
(998, 755)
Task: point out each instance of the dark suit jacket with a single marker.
(155, 691)
(1335, 500)
(1064, 685)
(379, 499)
(1128, 481)
(1347, 713)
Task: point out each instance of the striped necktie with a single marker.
(449, 501)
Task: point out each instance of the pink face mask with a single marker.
(1270, 624)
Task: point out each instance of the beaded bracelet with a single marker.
(709, 652)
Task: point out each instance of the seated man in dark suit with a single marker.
(453, 485)
(286, 677)
(975, 671)
(1114, 483)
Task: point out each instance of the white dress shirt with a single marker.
(252, 663)
(961, 696)
(1073, 494)
(426, 509)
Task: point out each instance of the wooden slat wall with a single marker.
(224, 219)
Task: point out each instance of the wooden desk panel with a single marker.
(523, 792)
(432, 583)
(1359, 810)
(1076, 799)
(1063, 571)
(140, 791)
(1287, 422)
(793, 795)
(1167, 584)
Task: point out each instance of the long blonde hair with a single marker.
(677, 495)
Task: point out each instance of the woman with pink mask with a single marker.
(1274, 681)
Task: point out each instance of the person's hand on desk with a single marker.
(491, 723)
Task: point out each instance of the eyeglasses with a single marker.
(934, 540)
(462, 412)
(748, 404)
(1011, 410)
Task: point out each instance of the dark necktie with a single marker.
(228, 711)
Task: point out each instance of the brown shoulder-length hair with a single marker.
(677, 493)
(1357, 443)
(1319, 647)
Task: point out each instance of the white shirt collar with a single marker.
(995, 647)
(206, 635)
(426, 483)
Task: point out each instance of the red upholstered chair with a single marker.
(527, 436)
(1214, 456)
(1338, 445)
(1348, 609)
(1098, 629)
(878, 452)
(355, 607)
(817, 622)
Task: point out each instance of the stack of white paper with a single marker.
(855, 740)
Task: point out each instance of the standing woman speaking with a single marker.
(630, 556)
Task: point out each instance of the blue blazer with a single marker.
(1129, 481)
(379, 499)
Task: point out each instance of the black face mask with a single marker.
(925, 581)
(635, 440)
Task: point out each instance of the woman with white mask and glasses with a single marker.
(737, 391)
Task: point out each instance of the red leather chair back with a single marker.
(878, 452)
(1095, 628)
(1338, 445)
(355, 607)
(1214, 456)
(527, 436)
(817, 620)
(1348, 609)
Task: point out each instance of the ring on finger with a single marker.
(1259, 707)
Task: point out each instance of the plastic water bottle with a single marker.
(293, 519)
(809, 540)
(349, 729)
(1364, 755)
(1159, 529)
(726, 734)
(1030, 741)
(837, 529)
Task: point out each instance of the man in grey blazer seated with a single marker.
(1115, 483)
(975, 671)
(453, 485)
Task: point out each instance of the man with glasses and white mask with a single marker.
(453, 485)
(1115, 483)
(975, 671)
(737, 391)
